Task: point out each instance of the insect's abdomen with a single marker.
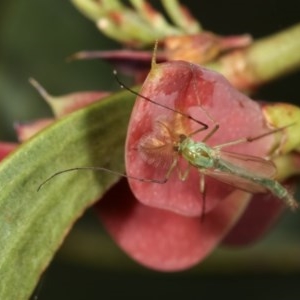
(259, 183)
(280, 191)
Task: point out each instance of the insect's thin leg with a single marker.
(239, 141)
(203, 193)
(251, 139)
(211, 133)
(196, 90)
(216, 127)
(173, 165)
(160, 181)
(183, 175)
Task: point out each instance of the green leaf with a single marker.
(33, 224)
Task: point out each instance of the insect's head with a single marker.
(178, 145)
(182, 138)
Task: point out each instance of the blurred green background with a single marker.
(36, 36)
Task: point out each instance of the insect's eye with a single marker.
(182, 137)
(176, 148)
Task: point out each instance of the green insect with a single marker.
(250, 173)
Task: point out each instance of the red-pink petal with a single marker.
(161, 239)
(131, 62)
(187, 87)
(65, 104)
(27, 130)
(68, 103)
(260, 215)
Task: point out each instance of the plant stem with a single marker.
(264, 60)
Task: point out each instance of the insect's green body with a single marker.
(198, 154)
(208, 160)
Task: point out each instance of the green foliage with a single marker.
(33, 224)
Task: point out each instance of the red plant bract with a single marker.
(160, 225)
(6, 148)
(204, 95)
(161, 239)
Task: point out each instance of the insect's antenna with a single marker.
(122, 85)
(100, 169)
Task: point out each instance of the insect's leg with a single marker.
(196, 91)
(244, 140)
(209, 134)
(197, 131)
(216, 126)
(183, 175)
(203, 193)
(173, 165)
(160, 181)
(251, 139)
(239, 141)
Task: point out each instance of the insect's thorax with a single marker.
(197, 154)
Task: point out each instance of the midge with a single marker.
(249, 173)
